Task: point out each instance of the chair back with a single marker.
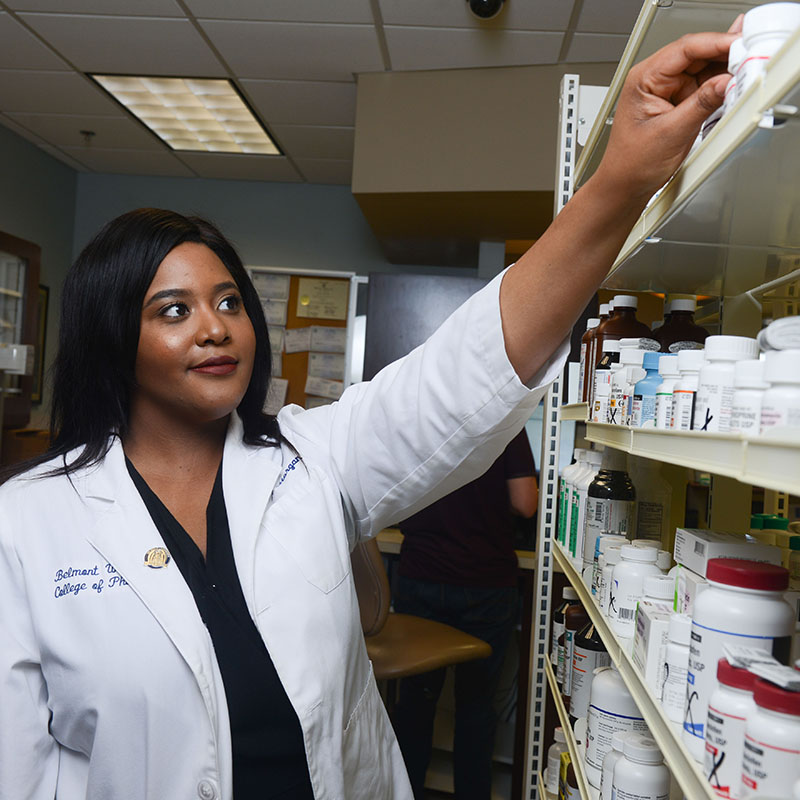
(372, 586)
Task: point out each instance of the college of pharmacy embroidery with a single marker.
(157, 557)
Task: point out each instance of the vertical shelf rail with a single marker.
(548, 476)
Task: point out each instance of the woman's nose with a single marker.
(211, 328)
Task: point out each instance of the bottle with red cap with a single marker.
(771, 763)
(743, 604)
(729, 708)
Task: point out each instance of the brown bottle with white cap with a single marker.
(680, 329)
(622, 324)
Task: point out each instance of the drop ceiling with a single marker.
(295, 61)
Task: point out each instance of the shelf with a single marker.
(577, 412)
(770, 461)
(685, 770)
(587, 791)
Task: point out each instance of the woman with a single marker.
(176, 542)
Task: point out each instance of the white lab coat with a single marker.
(109, 687)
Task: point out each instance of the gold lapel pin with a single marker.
(157, 557)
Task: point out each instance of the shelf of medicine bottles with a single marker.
(579, 412)
(586, 790)
(685, 770)
(770, 460)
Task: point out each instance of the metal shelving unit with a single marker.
(684, 768)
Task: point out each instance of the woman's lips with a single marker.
(223, 365)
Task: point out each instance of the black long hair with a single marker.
(93, 374)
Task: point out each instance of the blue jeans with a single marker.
(489, 614)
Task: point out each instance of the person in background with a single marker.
(458, 566)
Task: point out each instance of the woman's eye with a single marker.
(175, 310)
(230, 303)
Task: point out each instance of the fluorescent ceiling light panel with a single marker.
(194, 114)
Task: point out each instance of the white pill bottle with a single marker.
(641, 773)
(627, 586)
(729, 708)
(743, 604)
(673, 693)
(554, 760)
(771, 763)
(611, 710)
(609, 762)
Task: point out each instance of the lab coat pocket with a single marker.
(308, 523)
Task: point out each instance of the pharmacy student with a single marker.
(177, 611)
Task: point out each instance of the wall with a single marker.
(37, 203)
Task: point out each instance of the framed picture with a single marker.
(41, 338)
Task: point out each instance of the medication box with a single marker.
(650, 642)
(695, 548)
(688, 585)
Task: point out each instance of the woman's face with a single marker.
(196, 344)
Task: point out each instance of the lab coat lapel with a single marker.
(248, 477)
(122, 534)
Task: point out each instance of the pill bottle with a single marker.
(743, 603)
(571, 790)
(749, 386)
(653, 500)
(568, 595)
(668, 370)
(601, 391)
(611, 507)
(563, 492)
(580, 499)
(664, 561)
(736, 55)
(593, 356)
(627, 586)
(643, 404)
(622, 323)
(573, 501)
(764, 30)
(588, 654)
(604, 542)
(771, 762)
(714, 400)
(681, 326)
(586, 351)
(630, 359)
(641, 773)
(575, 617)
(780, 405)
(611, 558)
(659, 590)
(612, 756)
(683, 393)
(729, 707)
(558, 747)
(673, 693)
(611, 710)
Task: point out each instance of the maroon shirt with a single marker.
(467, 537)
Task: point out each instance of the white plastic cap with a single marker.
(559, 735)
(770, 18)
(664, 560)
(680, 628)
(645, 555)
(668, 366)
(613, 555)
(749, 374)
(610, 306)
(625, 301)
(603, 309)
(682, 304)
(691, 360)
(631, 356)
(611, 345)
(639, 747)
(661, 587)
(730, 348)
(594, 457)
(782, 366)
(630, 341)
(569, 593)
(592, 323)
(606, 540)
(645, 542)
(618, 739)
(736, 55)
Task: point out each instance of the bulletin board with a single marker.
(310, 315)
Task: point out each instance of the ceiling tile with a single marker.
(20, 130)
(326, 170)
(453, 48)
(22, 50)
(296, 51)
(596, 47)
(302, 102)
(241, 167)
(149, 8)
(63, 157)
(543, 15)
(52, 92)
(110, 132)
(315, 141)
(128, 45)
(608, 16)
(285, 10)
(129, 162)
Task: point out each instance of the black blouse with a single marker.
(269, 759)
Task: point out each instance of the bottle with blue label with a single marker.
(643, 404)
